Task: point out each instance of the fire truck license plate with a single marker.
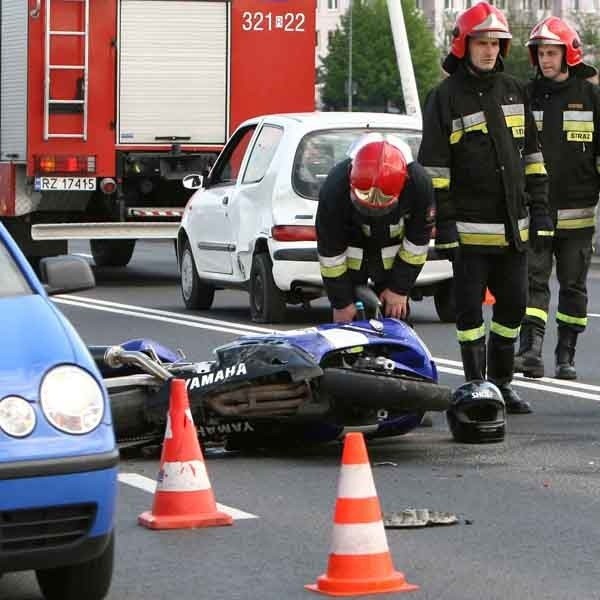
(65, 184)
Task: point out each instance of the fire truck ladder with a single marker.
(49, 68)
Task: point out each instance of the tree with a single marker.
(374, 70)
(518, 64)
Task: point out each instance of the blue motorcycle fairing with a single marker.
(408, 351)
(165, 354)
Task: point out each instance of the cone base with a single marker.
(214, 519)
(355, 587)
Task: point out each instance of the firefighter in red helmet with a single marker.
(480, 147)
(374, 220)
(566, 108)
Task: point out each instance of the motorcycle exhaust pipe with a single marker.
(116, 356)
(377, 390)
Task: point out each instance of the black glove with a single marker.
(541, 232)
(446, 240)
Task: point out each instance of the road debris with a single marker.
(418, 517)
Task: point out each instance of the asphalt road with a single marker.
(529, 508)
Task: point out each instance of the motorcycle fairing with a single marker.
(409, 352)
(165, 354)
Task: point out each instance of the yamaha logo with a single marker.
(216, 376)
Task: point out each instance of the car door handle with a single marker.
(225, 200)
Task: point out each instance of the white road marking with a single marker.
(143, 315)
(550, 380)
(166, 313)
(535, 386)
(555, 386)
(593, 315)
(149, 485)
(83, 255)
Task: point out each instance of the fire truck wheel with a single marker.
(112, 253)
(197, 294)
(267, 301)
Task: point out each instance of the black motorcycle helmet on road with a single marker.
(477, 413)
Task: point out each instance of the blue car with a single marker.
(58, 456)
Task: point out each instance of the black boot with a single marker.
(473, 359)
(528, 359)
(565, 353)
(501, 355)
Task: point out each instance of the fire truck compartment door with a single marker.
(173, 72)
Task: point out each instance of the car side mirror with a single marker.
(61, 274)
(193, 181)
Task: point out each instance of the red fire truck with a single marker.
(105, 105)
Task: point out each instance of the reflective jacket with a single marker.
(481, 149)
(567, 115)
(390, 249)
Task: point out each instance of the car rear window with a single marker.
(12, 281)
(319, 151)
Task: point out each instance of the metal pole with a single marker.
(403, 58)
(350, 62)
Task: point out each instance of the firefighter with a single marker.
(481, 149)
(567, 113)
(374, 221)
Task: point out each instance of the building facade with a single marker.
(440, 14)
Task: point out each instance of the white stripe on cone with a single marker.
(356, 481)
(359, 539)
(190, 476)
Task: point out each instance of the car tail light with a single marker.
(294, 233)
(61, 163)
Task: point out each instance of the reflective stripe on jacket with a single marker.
(390, 249)
(567, 115)
(480, 148)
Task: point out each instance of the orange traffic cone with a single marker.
(359, 560)
(184, 496)
(489, 297)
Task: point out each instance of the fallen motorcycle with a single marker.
(283, 388)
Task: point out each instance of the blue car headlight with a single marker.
(17, 417)
(71, 399)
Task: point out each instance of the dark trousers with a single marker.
(573, 256)
(505, 274)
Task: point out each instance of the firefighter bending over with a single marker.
(374, 221)
(480, 146)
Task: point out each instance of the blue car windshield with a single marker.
(12, 281)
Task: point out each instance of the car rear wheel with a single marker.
(197, 294)
(445, 303)
(267, 301)
(88, 580)
(112, 253)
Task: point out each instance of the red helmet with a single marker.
(377, 177)
(555, 31)
(481, 20)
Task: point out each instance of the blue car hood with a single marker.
(33, 338)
